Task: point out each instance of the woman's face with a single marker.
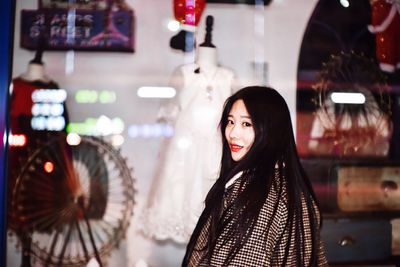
(239, 131)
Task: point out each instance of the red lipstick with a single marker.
(235, 147)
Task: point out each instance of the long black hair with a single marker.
(271, 162)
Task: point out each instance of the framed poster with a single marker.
(78, 4)
(90, 30)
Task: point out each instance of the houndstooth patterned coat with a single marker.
(256, 252)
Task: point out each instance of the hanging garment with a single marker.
(386, 26)
(21, 114)
(21, 103)
(190, 159)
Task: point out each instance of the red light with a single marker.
(48, 167)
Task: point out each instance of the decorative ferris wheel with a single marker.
(72, 203)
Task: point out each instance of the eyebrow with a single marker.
(244, 117)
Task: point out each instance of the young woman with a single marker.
(262, 210)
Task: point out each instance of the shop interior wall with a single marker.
(153, 62)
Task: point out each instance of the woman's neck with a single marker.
(35, 72)
(207, 59)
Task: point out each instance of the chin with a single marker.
(237, 157)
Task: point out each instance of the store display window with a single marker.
(114, 111)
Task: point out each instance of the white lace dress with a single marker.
(190, 159)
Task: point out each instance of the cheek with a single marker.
(250, 139)
(226, 133)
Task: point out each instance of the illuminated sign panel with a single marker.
(48, 109)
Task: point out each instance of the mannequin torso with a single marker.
(35, 72)
(207, 60)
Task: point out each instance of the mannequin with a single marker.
(21, 104)
(207, 59)
(32, 79)
(20, 123)
(35, 70)
(207, 53)
(189, 160)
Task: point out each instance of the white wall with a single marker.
(234, 34)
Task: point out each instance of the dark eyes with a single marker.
(245, 124)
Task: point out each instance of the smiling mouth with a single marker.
(235, 148)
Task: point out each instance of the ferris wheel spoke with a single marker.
(98, 162)
(115, 184)
(101, 179)
(106, 229)
(96, 253)
(115, 189)
(113, 181)
(112, 215)
(50, 253)
(43, 224)
(66, 162)
(50, 220)
(97, 172)
(82, 241)
(43, 182)
(96, 232)
(32, 212)
(79, 170)
(116, 200)
(114, 171)
(65, 243)
(38, 194)
(89, 149)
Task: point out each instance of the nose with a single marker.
(234, 132)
